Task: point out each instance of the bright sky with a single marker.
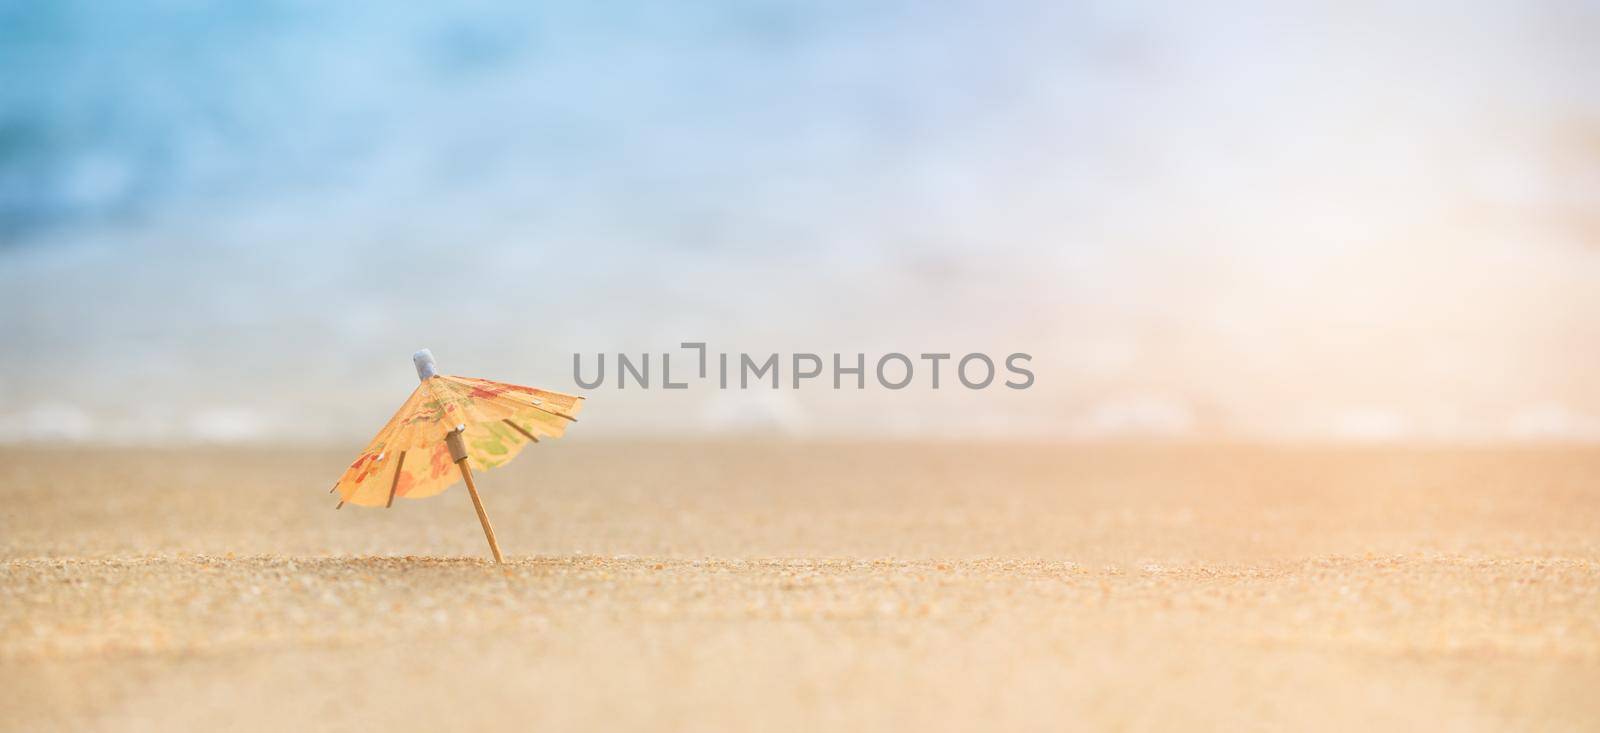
(1346, 222)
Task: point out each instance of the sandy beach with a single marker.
(808, 586)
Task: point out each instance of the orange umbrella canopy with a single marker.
(410, 458)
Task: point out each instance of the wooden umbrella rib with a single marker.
(553, 412)
(399, 464)
(519, 429)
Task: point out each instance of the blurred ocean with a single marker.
(236, 221)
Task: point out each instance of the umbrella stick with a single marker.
(459, 452)
(483, 517)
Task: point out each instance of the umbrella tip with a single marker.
(425, 366)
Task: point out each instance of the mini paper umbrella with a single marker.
(470, 423)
